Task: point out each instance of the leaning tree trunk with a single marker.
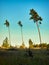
(38, 32)
(22, 35)
(9, 35)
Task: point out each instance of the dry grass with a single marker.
(21, 57)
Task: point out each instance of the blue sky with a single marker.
(15, 10)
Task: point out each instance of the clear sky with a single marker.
(15, 10)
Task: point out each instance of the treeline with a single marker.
(6, 45)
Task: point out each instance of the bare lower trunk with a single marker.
(9, 35)
(22, 35)
(38, 32)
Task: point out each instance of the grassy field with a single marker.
(22, 57)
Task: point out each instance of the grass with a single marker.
(21, 57)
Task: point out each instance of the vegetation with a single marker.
(22, 46)
(5, 43)
(36, 18)
(20, 24)
(47, 46)
(30, 44)
(8, 25)
(23, 57)
(33, 55)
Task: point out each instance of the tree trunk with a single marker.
(9, 35)
(22, 35)
(38, 32)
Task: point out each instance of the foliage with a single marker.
(5, 43)
(47, 46)
(30, 44)
(34, 15)
(36, 45)
(20, 24)
(43, 45)
(7, 23)
(22, 46)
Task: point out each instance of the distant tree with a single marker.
(47, 46)
(36, 18)
(43, 45)
(22, 46)
(29, 51)
(36, 45)
(5, 43)
(8, 25)
(30, 44)
(20, 24)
